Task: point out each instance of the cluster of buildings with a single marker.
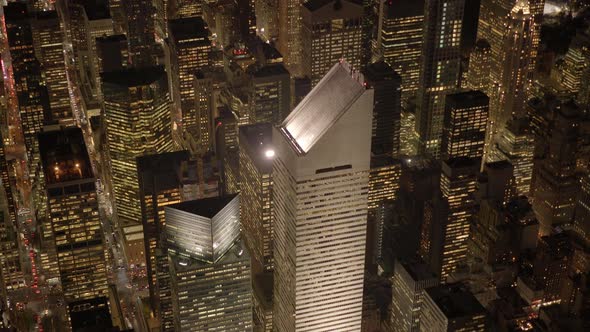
(272, 165)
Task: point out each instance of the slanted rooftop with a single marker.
(207, 207)
(323, 106)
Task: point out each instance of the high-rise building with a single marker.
(552, 262)
(47, 30)
(160, 184)
(270, 93)
(386, 85)
(451, 308)
(331, 31)
(73, 212)
(290, 29)
(190, 48)
(202, 127)
(582, 211)
(408, 282)
(267, 18)
(209, 266)
(138, 122)
(558, 128)
(478, 76)
(465, 124)
(458, 184)
(227, 149)
(510, 92)
(439, 72)
(576, 67)
(516, 144)
(256, 159)
(384, 182)
(400, 38)
(321, 164)
(141, 30)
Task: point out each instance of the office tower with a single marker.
(439, 72)
(184, 9)
(267, 19)
(207, 87)
(246, 19)
(465, 123)
(576, 66)
(111, 53)
(408, 135)
(301, 87)
(209, 266)
(408, 282)
(330, 32)
(478, 76)
(457, 184)
(8, 180)
(386, 85)
(400, 39)
(384, 182)
(256, 159)
(582, 212)
(270, 93)
(138, 122)
(73, 212)
(189, 51)
(516, 144)
(557, 148)
(290, 29)
(322, 164)
(140, 17)
(227, 149)
(47, 30)
(451, 308)
(26, 80)
(159, 184)
(510, 93)
(552, 262)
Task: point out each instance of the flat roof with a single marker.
(207, 207)
(64, 155)
(455, 301)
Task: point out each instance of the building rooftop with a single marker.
(268, 70)
(380, 70)
(258, 141)
(314, 5)
(111, 38)
(188, 28)
(131, 77)
(207, 207)
(64, 156)
(455, 301)
(323, 106)
(461, 99)
(418, 270)
(404, 8)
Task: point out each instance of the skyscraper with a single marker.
(141, 31)
(457, 184)
(478, 76)
(331, 31)
(387, 108)
(47, 30)
(439, 72)
(209, 267)
(138, 122)
(160, 184)
(557, 148)
(73, 212)
(256, 159)
(409, 281)
(290, 43)
(267, 18)
(582, 211)
(322, 164)
(189, 51)
(516, 144)
(465, 123)
(270, 93)
(510, 93)
(400, 39)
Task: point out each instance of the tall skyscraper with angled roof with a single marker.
(321, 174)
